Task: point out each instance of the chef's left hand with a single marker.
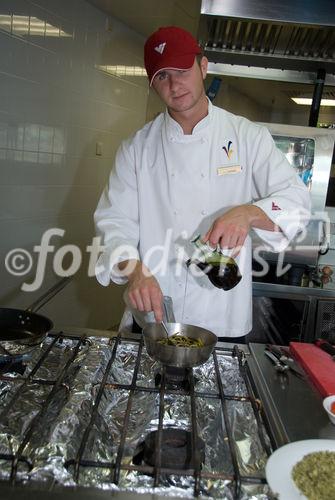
(230, 229)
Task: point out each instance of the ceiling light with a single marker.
(28, 25)
(307, 101)
(123, 70)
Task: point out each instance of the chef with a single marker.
(196, 169)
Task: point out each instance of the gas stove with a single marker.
(95, 412)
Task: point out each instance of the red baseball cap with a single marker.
(169, 47)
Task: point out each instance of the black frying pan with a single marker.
(20, 328)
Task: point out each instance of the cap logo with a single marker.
(160, 48)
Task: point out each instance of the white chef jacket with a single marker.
(167, 187)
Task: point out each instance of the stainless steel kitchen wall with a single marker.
(63, 112)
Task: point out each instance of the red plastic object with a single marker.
(318, 364)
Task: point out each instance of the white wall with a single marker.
(55, 106)
(234, 101)
(301, 116)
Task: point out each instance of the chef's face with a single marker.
(182, 90)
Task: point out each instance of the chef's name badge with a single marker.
(229, 169)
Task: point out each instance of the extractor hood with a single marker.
(296, 35)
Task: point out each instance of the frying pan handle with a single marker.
(49, 294)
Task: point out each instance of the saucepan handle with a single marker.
(143, 318)
(168, 310)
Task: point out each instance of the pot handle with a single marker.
(49, 294)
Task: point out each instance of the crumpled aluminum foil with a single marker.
(52, 447)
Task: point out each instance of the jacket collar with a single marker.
(175, 132)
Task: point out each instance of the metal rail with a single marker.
(255, 403)
(195, 449)
(77, 460)
(226, 427)
(158, 441)
(127, 415)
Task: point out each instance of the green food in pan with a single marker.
(181, 341)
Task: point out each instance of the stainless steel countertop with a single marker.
(293, 405)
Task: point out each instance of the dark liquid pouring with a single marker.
(222, 275)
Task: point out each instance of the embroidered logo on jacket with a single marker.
(160, 48)
(275, 207)
(229, 152)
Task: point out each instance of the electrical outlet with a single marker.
(98, 148)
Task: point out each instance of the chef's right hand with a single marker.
(143, 290)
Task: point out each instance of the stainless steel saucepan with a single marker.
(182, 357)
(171, 355)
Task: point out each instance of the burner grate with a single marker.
(176, 449)
(158, 465)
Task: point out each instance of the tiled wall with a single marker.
(57, 103)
